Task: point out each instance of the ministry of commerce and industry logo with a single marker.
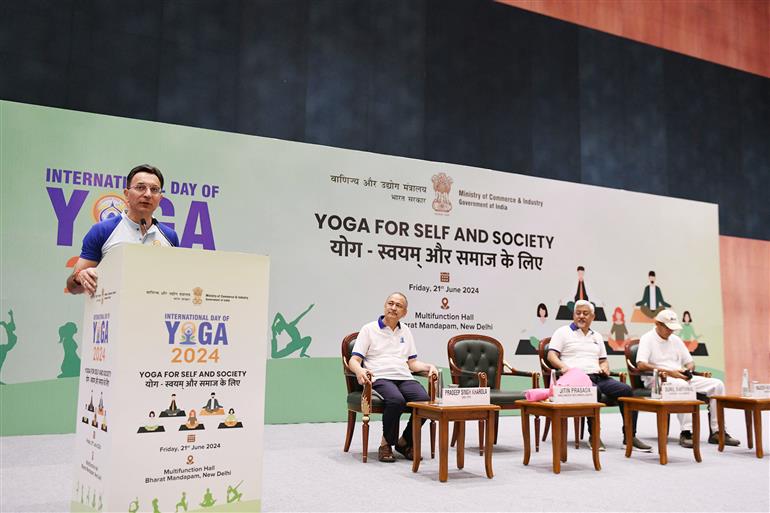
(197, 295)
(442, 184)
(107, 206)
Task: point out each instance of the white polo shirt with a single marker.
(669, 354)
(578, 349)
(385, 351)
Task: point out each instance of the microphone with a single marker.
(143, 225)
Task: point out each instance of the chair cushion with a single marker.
(505, 397)
(354, 401)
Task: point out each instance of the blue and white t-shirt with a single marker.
(578, 349)
(385, 352)
(104, 236)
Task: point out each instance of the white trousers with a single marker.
(708, 386)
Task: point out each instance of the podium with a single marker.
(170, 412)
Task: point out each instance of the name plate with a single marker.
(676, 392)
(472, 396)
(573, 395)
(760, 390)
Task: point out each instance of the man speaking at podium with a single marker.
(136, 225)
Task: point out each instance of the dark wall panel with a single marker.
(272, 66)
(396, 114)
(199, 64)
(555, 99)
(750, 208)
(105, 77)
(478, 90)
(35, 42)
(643, 167)
(338, 73)
(602, 108)
(468, 82)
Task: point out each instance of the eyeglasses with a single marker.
(141, 188)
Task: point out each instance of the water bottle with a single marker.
(655, 384)
(440, 388)
(553, 379)
(745, 390)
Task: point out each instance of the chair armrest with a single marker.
(515, 372)
(366, 399)
(556, 375)
(705, 374)
(623, 376)
(432, 386)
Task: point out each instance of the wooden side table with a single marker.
(750, 406)
(444, 415)
(662, 409)
(558, 414)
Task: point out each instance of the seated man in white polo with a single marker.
(660, 349)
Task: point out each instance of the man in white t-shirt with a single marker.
(577, 345)
(660, 349)
(385, 355)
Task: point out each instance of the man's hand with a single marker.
(678, 374)
(432, 370)
(84, 277)
(88, 278)
(363, 376)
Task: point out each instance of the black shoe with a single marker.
(385, 454)
(601, 444)
(714, 439)
(685, 439)
(639, 445)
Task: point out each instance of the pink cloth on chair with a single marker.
(573, 377)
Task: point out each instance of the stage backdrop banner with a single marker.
(171, 399)
(474, 250)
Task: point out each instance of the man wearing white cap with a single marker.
(660, 349)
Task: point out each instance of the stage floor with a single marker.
(306, 470)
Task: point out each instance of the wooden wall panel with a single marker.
(734, 33)
(745, 265)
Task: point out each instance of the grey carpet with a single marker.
(306, 470)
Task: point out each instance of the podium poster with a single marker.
(171, 399)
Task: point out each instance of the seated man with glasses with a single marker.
(136, 225)
(577, 345)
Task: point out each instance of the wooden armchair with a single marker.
(478, 360)
(363, 399)
(546, 367)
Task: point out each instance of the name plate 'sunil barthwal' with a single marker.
(674, 392)
(573, 395)
(760, 390)
(465, 396)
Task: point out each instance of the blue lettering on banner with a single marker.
(204, 333)
(197, 231)
(101, 333)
